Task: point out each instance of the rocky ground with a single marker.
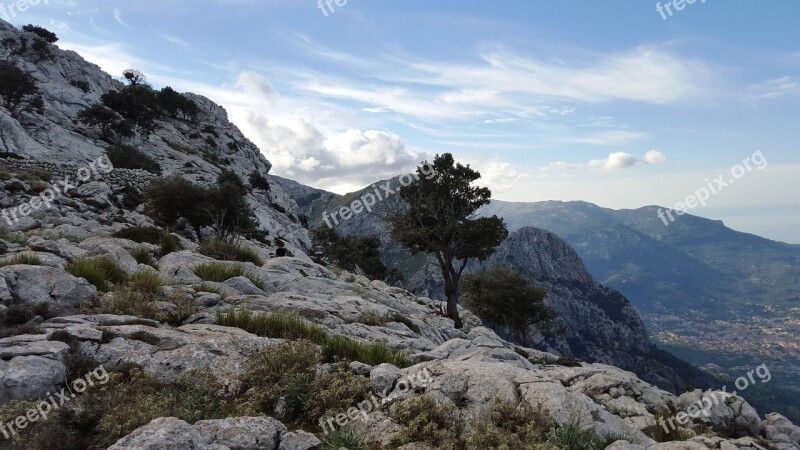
(469, 368)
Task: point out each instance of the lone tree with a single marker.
(17, 87)
(134, 77)
(503, 297)
(436, 215)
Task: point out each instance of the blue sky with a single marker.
(567, 100)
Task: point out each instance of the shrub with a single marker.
(82, 85)
(169, 199)
(22, 259)
(169, 243)
(659, 434)
(373, 319)
(220, 272)
(43, 33)
(349, 252)
(142, 255)
(19, 314)
(509, 427)
(503, 297)
(101, 272)
(574, 436)
(146, 281)
(427, 421)
(149, 235)
(14, 238)
(274, 325)
(227, 249)
(258, 181)
(344, 438)
(126, 300)
(128, 157)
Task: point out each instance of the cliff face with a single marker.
(197, 150)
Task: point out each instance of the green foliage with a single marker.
(136, 103)
(146, 281)
(349, 252)
(43, 33)
(128, 157)
(656, 429)
(274, 325)
(574, 436)
(205, 287)
(436, 215)
(101, 272)
(228, 249)
(426, 421)
(344, 438)
(142, 235)
(142, 255)
(106, 120)
(13, 237)
(340, 348)
(171, 103)
(510, 427)
(168, 243)
(223, 206)
(22, 259)
(220, 272)
(503, 297)
(16, 86)
(289, 372)
(258, 181)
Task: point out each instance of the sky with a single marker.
(614, 103)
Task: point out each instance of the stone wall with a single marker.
(117, 179)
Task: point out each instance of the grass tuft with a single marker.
(101, 272)
(220, 272)
(22, 259)
(274, 325)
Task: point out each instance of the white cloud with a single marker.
(654, 157)
(611, 138)
(614, 161)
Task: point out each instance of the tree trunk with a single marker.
(451, 291)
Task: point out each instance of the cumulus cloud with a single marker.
(614, 161)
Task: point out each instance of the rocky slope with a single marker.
(601, 326)
(55, 334)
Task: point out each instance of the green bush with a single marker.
(168, 243)
(349, 252)
(220, 272)
(101, 272)
(574, 436)
(128, 157)
(142, 255)
(274, 325)
(344, 438)
(503, 297)
(43, 33)
(510, 427)
(146, 281)
(19, 314)
(426, 421)
(14, 238)
(149, 235)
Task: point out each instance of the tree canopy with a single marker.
(437, 215)
(503, 297)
